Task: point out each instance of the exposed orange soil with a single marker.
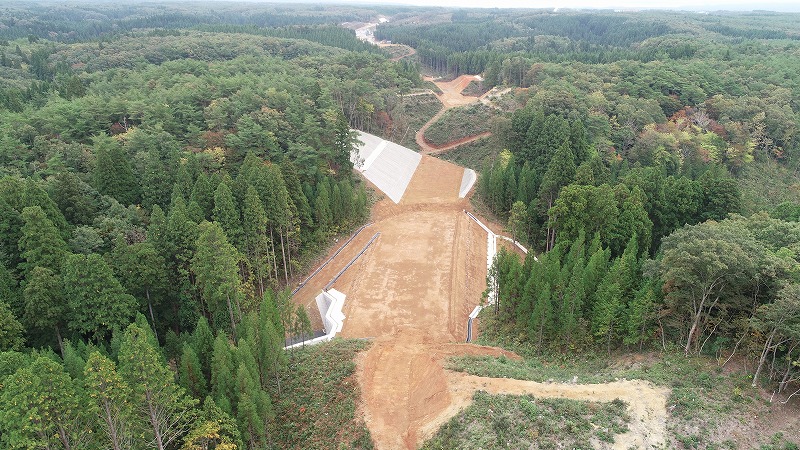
(412, 292)
(436, 149)
(450, 97)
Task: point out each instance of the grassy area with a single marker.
(705, 403)
(474, 88)
(475, 155)
(510, 421)
(408, 116)
(316, 407)
(459, 123)
(432, 86)
(398, 50)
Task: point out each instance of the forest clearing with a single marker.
(411, 293)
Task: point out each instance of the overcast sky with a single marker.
(704, 5)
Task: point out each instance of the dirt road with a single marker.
(451, 97)
(411, 293)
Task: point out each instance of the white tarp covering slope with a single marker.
(385, 164)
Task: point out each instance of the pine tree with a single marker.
(226, 214)
(40, 244)
(190, 374)
(110, 401)
(216, 269)
(113, 175)
(42, 408)
(159, 401)
(214, 430)
(97, 302)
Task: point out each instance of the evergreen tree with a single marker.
(34, 195)
(97, 302)
(223, 382)
(11, 224)
(45, 305)
(158, 400)
(191, 374)
(110, 401)
(226, 214)
(541, 316)
(142, 270)
(11, 330)
(113, 175)
(639, 316)
(203, 346)
(256, 241)
(40, 244)
(203, 195)
(180, 243)
(216, 269)
(322, 208)
(607, 307)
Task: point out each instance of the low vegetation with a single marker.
(407, 116)
(707, 399)
(459, 123)
(317, 403)
(475, 89)
(476, 154)
(522, 422)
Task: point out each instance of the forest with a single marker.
(168, 172)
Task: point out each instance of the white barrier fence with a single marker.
(491, 251)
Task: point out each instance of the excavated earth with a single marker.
(411, 293)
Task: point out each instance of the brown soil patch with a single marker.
(412, 292)
(450, 97)
(436, 149)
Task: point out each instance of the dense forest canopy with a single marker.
(167, 171)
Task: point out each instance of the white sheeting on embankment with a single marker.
(467, 181)
(385, 164)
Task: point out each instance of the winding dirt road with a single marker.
(451, 97)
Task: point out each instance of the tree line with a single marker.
(160, 192)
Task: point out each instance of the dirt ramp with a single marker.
(406, 387)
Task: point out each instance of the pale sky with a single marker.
(705, 5)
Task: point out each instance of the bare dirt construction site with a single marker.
(411, 293)
(451, 97)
